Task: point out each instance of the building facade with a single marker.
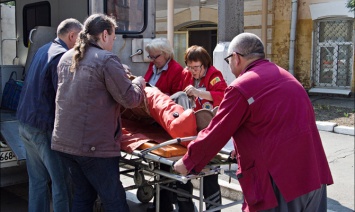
(323, 45)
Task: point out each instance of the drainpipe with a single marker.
(293, 36)
(264, 12)
(170, 27)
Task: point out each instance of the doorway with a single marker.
(202, 34)
(205, 38)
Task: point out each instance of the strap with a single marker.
(12, 73)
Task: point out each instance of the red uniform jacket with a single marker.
(170, 80)
(213, 81)
(271, 119)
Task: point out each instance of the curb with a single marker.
(333, 127)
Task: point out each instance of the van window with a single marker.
(131, 15)
(36, 14)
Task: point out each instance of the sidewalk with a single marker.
(337, 101)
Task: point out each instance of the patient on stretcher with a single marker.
(159, 119)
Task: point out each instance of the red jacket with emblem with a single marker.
(213, 81)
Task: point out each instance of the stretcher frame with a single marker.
(145, 160)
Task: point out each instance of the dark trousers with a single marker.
(314, 201)
(96, 176)
(211, 192)
(166, 197)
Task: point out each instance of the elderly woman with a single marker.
(92, 86)
(163, 71)
(201, 81)
(205, 84)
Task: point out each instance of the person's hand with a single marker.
(232, 154)
(191, 91)
(180, 167)
(139, 80)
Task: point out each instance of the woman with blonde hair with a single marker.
(163, 71)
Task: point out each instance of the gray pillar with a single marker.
(230, 19)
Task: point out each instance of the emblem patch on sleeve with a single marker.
(215, 80)
(207, 105)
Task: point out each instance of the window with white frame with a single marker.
(333, 53)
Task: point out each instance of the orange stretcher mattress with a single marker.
(167, 151)
(143, 135)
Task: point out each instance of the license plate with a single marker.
(6, 156)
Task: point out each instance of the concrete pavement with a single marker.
(337, 101)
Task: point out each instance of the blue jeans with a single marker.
(96, 176)
(44, 166)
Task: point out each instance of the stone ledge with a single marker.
(344, 130)
(325, 126)
(333, 127)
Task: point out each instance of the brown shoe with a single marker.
(203, 118)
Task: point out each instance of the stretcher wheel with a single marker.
(145, 193)
(138, 178)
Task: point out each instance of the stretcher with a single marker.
(146, 147)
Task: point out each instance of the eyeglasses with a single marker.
(227, 58)
(153, 57)
(194, 68)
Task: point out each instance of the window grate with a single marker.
(333, 53)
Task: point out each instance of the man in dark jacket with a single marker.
(36, 118)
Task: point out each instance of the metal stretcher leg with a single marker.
(157, 197)
(201, 195)
(163, 200)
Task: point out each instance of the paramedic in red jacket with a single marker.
(206, 85)
(202, 80)
(282, 165)
(163, 71)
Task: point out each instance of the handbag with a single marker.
(11, 93)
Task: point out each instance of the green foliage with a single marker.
(10, 3)
(351, 5)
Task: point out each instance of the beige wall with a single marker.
(278, 30)
(303, 45)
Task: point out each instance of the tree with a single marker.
(10, 3)
(351, 5)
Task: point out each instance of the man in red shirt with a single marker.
(281, 161)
